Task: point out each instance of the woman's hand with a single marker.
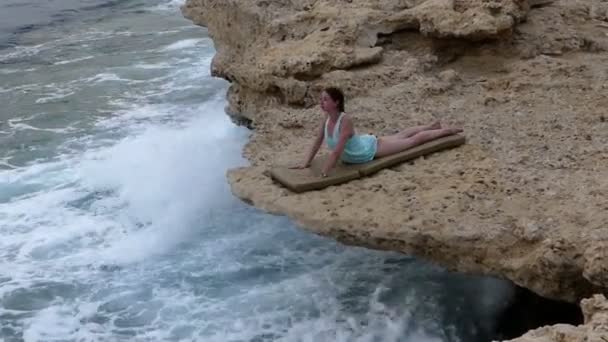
(326, 169)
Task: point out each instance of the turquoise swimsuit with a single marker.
(358, 149)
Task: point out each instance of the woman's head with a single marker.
(332, 99)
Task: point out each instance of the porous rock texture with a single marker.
(525, 199)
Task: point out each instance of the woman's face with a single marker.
(327, 103)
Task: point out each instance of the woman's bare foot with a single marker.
(455, 130)
(435, 125)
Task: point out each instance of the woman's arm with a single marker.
(346, 131)
(315, 146)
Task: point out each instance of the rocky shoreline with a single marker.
(525, 199)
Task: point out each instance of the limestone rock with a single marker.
(273, 49)
(525, 199)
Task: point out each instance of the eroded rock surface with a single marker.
(527, 197)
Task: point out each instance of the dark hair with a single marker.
(337, 96)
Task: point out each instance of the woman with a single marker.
(354, 148)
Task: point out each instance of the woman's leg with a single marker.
(388, 145)
(408, 132)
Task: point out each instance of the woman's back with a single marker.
(358, 148)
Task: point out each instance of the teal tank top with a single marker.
(358, 149)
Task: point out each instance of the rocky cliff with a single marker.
(525, 199)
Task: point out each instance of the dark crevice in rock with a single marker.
(305, 77)
(383, 39)
(527, 311)
(591, 45)
(239, 119)
(540, 3)
(448, 51)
